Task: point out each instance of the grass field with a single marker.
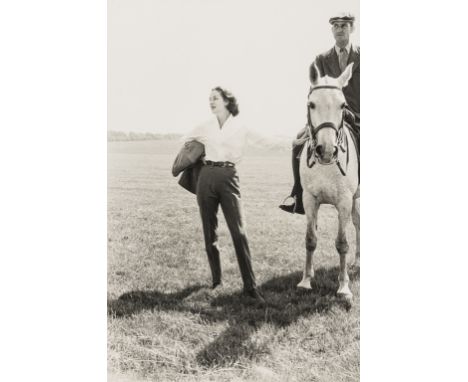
(163, 323)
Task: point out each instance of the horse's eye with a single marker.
(312, 105)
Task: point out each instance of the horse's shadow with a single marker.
(285, 304)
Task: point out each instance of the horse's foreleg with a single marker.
(342, 246)
(311, 209)
(356, 213)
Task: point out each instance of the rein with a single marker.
(342, 139)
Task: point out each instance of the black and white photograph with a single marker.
(233, 190)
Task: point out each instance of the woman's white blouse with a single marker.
(228, 143)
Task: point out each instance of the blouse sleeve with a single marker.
(196, 134)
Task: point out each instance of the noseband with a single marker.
(313, 131)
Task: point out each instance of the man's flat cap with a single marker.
(342, 16)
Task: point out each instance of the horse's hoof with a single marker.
(304, 285)
(346, 300)
(347, 297)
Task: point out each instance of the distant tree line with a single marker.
(131, 136)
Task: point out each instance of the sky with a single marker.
(165, 56)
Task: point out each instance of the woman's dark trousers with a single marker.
(220, 186)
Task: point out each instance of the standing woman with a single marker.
(224, 138)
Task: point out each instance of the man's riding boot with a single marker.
(296, 193)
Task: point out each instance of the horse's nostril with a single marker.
(335, 151)
(319, 150)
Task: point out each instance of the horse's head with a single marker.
(326, 104)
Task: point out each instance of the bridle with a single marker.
(341, 138)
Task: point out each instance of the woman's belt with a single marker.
(218, 164)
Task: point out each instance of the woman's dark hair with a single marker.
(232, 105)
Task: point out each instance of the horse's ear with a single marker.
(346, 75)
(314, 74)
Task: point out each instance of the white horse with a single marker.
(329, 171)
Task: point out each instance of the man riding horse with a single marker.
(332, 63)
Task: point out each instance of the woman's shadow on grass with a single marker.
(285, 304)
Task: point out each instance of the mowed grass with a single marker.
(163, 322)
